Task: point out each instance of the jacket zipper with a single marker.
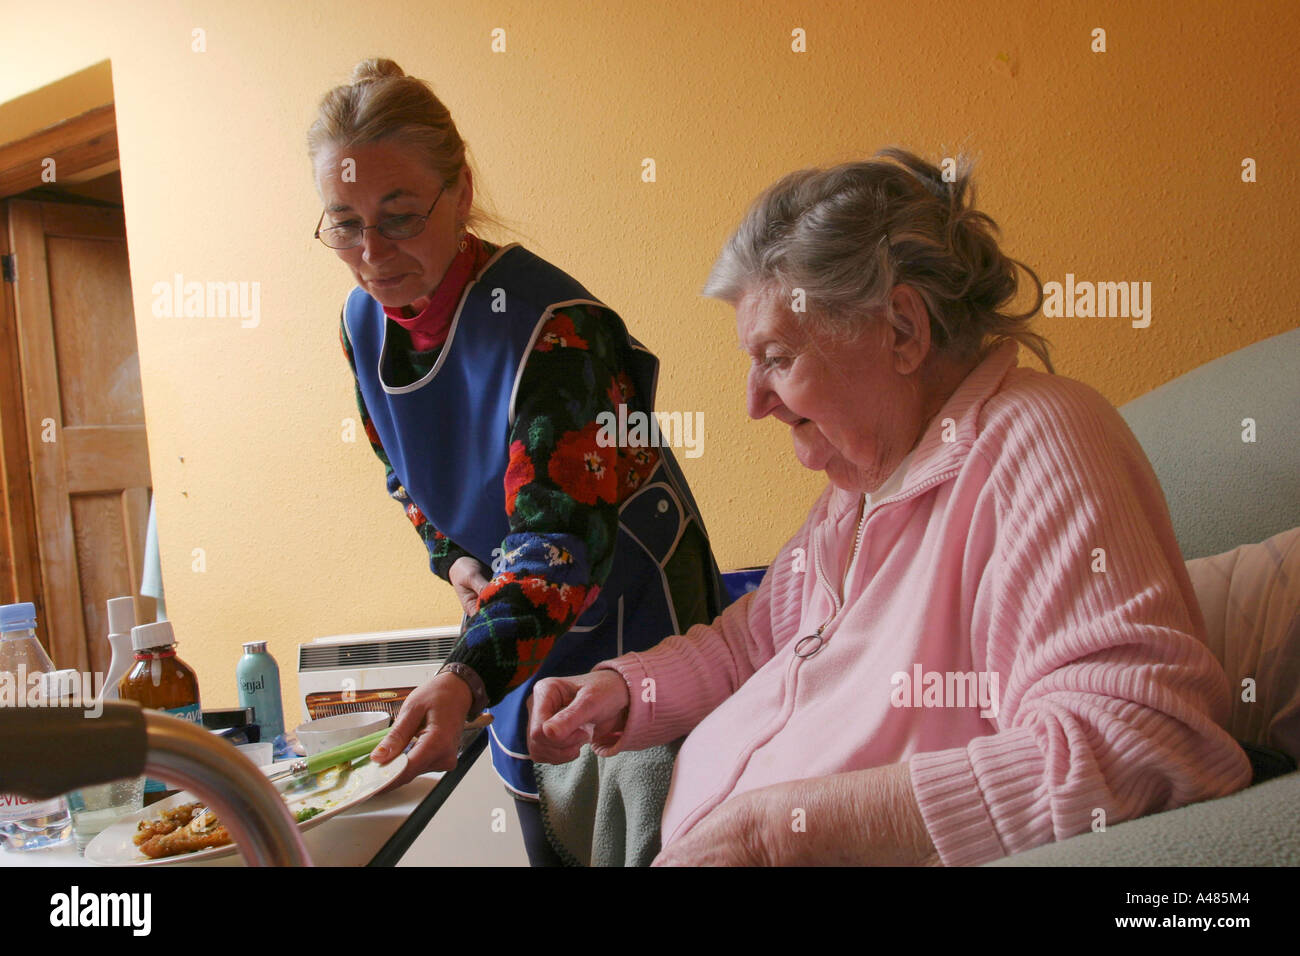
(837, 597)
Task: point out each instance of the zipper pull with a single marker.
(811, 649)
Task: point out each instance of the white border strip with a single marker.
(451, 334)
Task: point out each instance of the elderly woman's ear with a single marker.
(911, 344)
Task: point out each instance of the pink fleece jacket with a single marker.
(1015, 622)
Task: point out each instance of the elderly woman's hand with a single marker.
(857, 818)
(566, 712)
(732, 835)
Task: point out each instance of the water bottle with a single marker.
(27, 824)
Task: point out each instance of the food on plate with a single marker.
(184, 829)
(168, 820)
(190, 827)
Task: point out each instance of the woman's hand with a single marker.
(467, 577)
(732, 835)
(856, 818)
(566, 712)
(436, 712)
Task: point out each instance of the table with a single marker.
(376, 833)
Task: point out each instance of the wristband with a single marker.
(475, 683)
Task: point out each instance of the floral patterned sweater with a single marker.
(561, 493)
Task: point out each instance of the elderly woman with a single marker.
(983, 638)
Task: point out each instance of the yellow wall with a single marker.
(1122, 165)
(71, 95)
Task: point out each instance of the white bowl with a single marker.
(260, 754)
(328, 732)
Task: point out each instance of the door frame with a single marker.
(83, 147)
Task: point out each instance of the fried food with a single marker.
(184, 829)
(190, 827)
(168, 820)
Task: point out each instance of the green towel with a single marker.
(605, 811)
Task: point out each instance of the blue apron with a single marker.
(446, 436)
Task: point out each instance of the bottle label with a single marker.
(259, 688)
(14, 807)
(191, 712)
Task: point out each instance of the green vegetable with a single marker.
(306, 813)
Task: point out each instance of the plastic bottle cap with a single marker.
(157, 634)
(255, 647)
(17, 617)
(121, 615)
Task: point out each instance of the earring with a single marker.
(464, 241)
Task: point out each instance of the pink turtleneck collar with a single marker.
(428, 319)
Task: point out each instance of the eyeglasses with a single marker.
(348, 236)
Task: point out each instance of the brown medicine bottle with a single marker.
(159, 680)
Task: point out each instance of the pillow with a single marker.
(1250, 598)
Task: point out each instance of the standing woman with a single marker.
(481, 371)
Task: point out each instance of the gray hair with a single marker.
(847, 235)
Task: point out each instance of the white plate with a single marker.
(114, 846)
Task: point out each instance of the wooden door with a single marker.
(87, 466)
